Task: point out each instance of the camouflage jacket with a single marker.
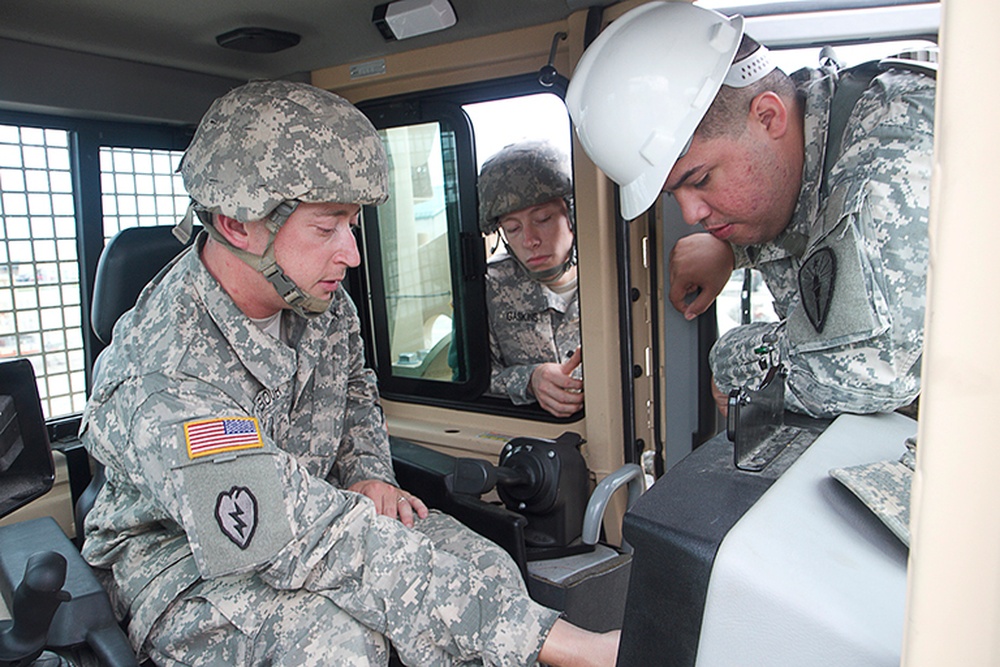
(848, 274)
(529, 325)
(227, 452)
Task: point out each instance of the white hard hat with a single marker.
(641, 88)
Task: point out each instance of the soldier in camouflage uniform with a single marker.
(250, 514)
(857, 349)
(843, 247)
(526, 195)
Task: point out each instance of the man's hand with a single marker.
(555, 389)
(698, 262)
(391, 501)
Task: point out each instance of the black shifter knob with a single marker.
(476, 477)
(35, 602)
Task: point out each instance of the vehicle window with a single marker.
(40, 312)
(421, 292)
(41, 292)
(415, 256)
(497, 123)
(140, 188)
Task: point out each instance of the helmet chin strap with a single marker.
(545, 276)
(304, 304)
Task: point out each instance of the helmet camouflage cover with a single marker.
(521, 175)
(271, 141)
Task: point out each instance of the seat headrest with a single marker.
(130, 260)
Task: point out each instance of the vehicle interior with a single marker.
(98, 100)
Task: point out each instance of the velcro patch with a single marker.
(235, 512)
(207, 437)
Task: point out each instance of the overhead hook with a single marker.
(547, 75)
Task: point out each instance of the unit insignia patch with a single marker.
(236, 514)
(816, 280)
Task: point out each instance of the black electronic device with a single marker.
(755, 420)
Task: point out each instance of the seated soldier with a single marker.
(250, 514)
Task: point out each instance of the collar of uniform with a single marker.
(310, 337)
(266, 358)
(816, 89)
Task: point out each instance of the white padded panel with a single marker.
(809, 576)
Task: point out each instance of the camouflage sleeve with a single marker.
(733, 360)
(364, 449)
(200, 463)
(514, 382)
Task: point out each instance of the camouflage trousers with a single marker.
(303, 628)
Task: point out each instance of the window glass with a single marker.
(40, 312)
(416, 261)
(497, 123)
(790, 60)
(140, 188)
(41, 316)
(421, 289)
(744, 299)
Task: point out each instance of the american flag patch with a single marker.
(226, 434)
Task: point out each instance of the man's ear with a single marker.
(770, 111)
(232, 230)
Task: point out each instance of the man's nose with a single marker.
(348, 252)
(693, 208)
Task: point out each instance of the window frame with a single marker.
(86, 139)
(466, 246)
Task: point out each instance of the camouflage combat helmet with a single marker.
(268, 145)
(520, 175)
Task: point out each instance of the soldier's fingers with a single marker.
(721, 399)
(389, 507)
(572, 385)
(570, 364)
(405, 512)
(561, 410)
(418, 506)
(563, 405)
(699, 305)
(678, 294)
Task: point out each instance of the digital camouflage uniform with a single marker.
(253, 531)
(224, 530)
(529, 325)
(853, 344)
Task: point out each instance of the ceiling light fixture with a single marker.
(409, 18)
(257, 40)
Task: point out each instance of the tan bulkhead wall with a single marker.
(953, 612)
